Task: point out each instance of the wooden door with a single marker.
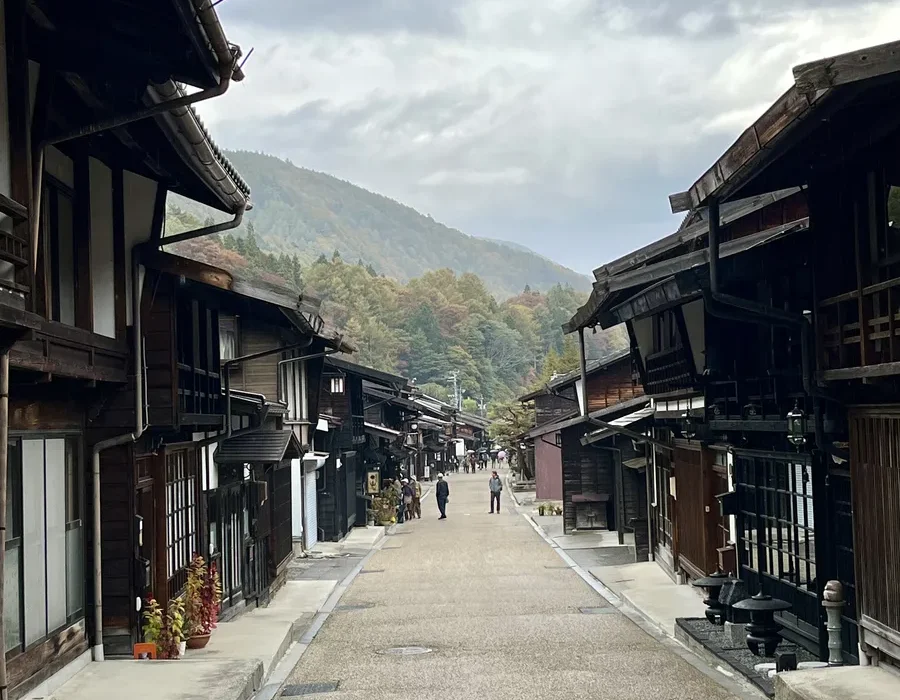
(696, 511)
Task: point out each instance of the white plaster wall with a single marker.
(102, 252)
(695, 321)
(643, 333)
(59, 165)
(140, 196)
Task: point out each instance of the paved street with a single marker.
(500, 612)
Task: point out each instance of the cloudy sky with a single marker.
(560, 124)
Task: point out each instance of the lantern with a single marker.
(796, 425)
(688, 427)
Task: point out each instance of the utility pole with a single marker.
(457, 394)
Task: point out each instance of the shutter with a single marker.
(310, 519)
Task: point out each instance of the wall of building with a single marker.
(548, 468)
(102, 249)
(140, 200)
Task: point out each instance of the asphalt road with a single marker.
(500, 613)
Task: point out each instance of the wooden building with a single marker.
(341, 500)
(96, 133)
(609, 382)
(792, 314)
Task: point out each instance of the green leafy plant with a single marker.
(165, 629)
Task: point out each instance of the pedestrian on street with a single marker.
(417, 499)
(493, 454)
(442, 491)
(496, 486)
(398, 494)
(408, 493)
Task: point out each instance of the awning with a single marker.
(622, 422)
(435, 422)
(636, 463)
(259, 446)
(381, 431)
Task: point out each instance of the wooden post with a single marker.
(714, 223)
(620, 494)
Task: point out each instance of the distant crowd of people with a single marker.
(476, 461)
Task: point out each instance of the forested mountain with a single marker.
(428, 327)
(307, 213)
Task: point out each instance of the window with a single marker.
(44, 574)
(337, 385)
(59, 232)
(665, 336)
(228, 340)
(181, 516)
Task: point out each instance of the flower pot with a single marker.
(198, 641)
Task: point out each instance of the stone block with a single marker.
(736, 633)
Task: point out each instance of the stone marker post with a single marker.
(833, 602)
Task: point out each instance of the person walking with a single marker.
(416, 510)
(398, 494)
(496, 486)
(442, 491)
(408, 493)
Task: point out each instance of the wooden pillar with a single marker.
(714, 225)
(620, 493)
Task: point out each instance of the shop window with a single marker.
(181, 515)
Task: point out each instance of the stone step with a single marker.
(842, 683)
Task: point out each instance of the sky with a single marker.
(562, 125)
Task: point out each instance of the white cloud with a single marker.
(563, 125)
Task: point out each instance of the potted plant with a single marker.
(202, 594)
(384, 509)
(165, 629)
(542, 509)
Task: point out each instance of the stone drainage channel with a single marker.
(332, 686)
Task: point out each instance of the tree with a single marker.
(510, 421)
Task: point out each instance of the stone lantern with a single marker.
(763, 631)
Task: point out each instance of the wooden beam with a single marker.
(847, 68)
(885, 369)
(680, 202)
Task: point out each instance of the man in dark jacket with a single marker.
(496, 487)
(442, 491)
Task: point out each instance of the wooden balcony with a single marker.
(14, 249)
(199, 396)
(669, 370)
(858, 333)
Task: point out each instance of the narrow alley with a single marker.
(499, 613)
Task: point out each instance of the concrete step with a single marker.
(842, 683)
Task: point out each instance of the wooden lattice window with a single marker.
(181, 515)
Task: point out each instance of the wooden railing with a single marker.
(14, 249)
(669, 370)
(859, 332)
(199, 391)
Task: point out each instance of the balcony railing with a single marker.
(14, 249)
(199, 392)
(859, 332)
(669, 370)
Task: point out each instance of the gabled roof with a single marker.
(868, 78)
(375, 375)
(591, 367)
(266, 446)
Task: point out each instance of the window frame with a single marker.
(74, 446)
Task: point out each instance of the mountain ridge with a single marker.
(308, 213)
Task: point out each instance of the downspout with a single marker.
(137, 279)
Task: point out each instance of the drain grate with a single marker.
(309, 688)
(406, 651)
(597, 611)
(372, 571)
(354, 606)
